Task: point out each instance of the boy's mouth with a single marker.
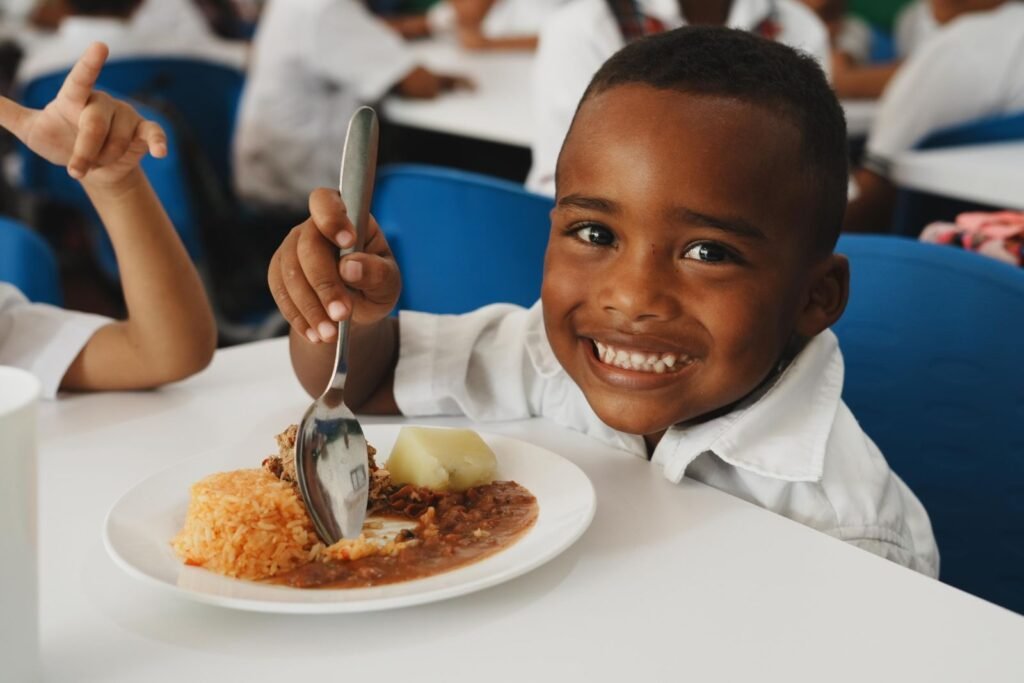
(638, 360)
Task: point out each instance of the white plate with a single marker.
(139, 528)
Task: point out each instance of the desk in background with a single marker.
(990, 174)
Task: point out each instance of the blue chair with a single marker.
(462, 240)
(932, 339)
(202, 97)
(914, 210)
(883, 47)
(27, 262)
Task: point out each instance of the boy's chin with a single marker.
(632, 420)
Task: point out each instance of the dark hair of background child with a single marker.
(736, 64)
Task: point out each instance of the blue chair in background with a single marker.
(201, 97)
(462, 240)
(883, 47)
(27, 262)
(932, 339)
(914, 210)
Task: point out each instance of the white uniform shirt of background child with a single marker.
(972, 68)
(576, 40)
(126, 39)
(42, 339)
(795, 450)
(314, 63)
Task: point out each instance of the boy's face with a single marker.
(679, 264)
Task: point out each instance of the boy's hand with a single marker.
(97, 137)
(423, 84)
(312, 289)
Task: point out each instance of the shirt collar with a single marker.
(782, 434)
(744, 14)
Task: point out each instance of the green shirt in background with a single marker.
(880, 13)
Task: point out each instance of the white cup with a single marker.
(19, 620)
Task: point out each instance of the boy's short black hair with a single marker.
(103, 8)
(736, 64)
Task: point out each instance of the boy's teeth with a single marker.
(651, 362)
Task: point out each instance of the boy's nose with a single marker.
(640, 291)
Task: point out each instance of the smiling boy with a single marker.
(688, 289)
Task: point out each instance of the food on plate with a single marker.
(252, 524)
(441, 459)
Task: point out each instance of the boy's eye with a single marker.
(595, 234)
(708, 252)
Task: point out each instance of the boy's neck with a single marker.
(711, 12)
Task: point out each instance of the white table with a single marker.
(499, 110)
(671, 582)
(990, 173)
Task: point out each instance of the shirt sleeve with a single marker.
(353, 48)
(42, 339)
(476, 364)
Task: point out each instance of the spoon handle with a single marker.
(358, 169)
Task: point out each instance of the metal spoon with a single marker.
(330, 451)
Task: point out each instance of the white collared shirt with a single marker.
(42, 339)
(796, 450)
(60, 50)
(576, 40)
(314, 63)
(972, 68)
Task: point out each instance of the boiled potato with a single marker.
(441, 459)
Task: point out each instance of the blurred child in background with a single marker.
(971, 69)
(313, 63)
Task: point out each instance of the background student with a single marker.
(82, 22)
(313, 63)
(969, 70)
(169, 333)
(579, 37)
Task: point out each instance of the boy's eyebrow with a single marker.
(732, 224)
(592, 203)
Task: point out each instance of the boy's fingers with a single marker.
(318, 259)
(376, 277)
(74, 93)
(329, 215)
(93, 129)
(289, 311)
(301, 292)
(154, 137)
(14, 117)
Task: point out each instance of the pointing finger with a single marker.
(78, 86)
(14, 117)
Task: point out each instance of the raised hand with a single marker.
(97, 137)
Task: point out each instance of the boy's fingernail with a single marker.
(326, 330)
(311, 336)
(336, 310)
(352, 270)
(345, 239)
(74, 172)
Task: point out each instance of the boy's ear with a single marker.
(827, 295)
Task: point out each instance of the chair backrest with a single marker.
(27, 262)
(462, 240)
(204, 95)
(931, 339)
(914, 210)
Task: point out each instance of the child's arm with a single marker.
(170, 331)
(314, 291)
